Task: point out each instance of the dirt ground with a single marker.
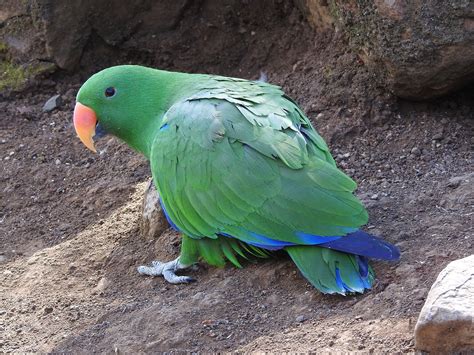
(70, 242)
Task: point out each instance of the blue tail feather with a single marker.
(361, 243)
(342, 286)
(363, 264)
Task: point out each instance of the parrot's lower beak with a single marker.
(85, 121)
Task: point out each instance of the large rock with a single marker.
(318, 13)
(421, 49)
(58, 31)
(153, 221)
(445, 324)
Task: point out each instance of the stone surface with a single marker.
(445, 324)
(52, 103)
(461, 194)
(317, 12)
(58, 31)
(421, 49)
(18, 31)
(153, 221)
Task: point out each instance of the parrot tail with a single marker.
(362, 243)
(332, 271)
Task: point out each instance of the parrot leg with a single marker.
(167, 270)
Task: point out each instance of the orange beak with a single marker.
(85, 121)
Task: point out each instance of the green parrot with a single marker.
(240, 172)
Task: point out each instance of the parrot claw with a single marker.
(167, 270)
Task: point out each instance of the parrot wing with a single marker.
(243, 161)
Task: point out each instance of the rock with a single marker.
(455, 181)
(445, 324)
(52, 103)
(301, 319)
(102, 285)
(58, 31)
(420, 49)
(416, 151)
(437, 136)
(153, 222)
(461, 192)
(317, 12)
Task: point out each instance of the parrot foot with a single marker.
(167, 270)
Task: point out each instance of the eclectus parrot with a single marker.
(240, 172)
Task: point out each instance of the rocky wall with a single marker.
(417, 49)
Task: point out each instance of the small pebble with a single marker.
(454, 182)
(53, 103)
(301, 319)
(416, 151)
(374, 197)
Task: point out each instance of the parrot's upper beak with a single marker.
(85, 121)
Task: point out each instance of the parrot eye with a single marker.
(109, 92)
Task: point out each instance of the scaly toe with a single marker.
(172, 278)
(148, 270)
(167, 269)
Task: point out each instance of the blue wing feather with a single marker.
(358, 243)
(172, 224)
(361, 243)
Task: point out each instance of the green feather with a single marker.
(318, 265)
(216, 251)
(229, 253)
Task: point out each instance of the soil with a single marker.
(70, 241)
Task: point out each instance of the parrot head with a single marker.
(123, 101)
